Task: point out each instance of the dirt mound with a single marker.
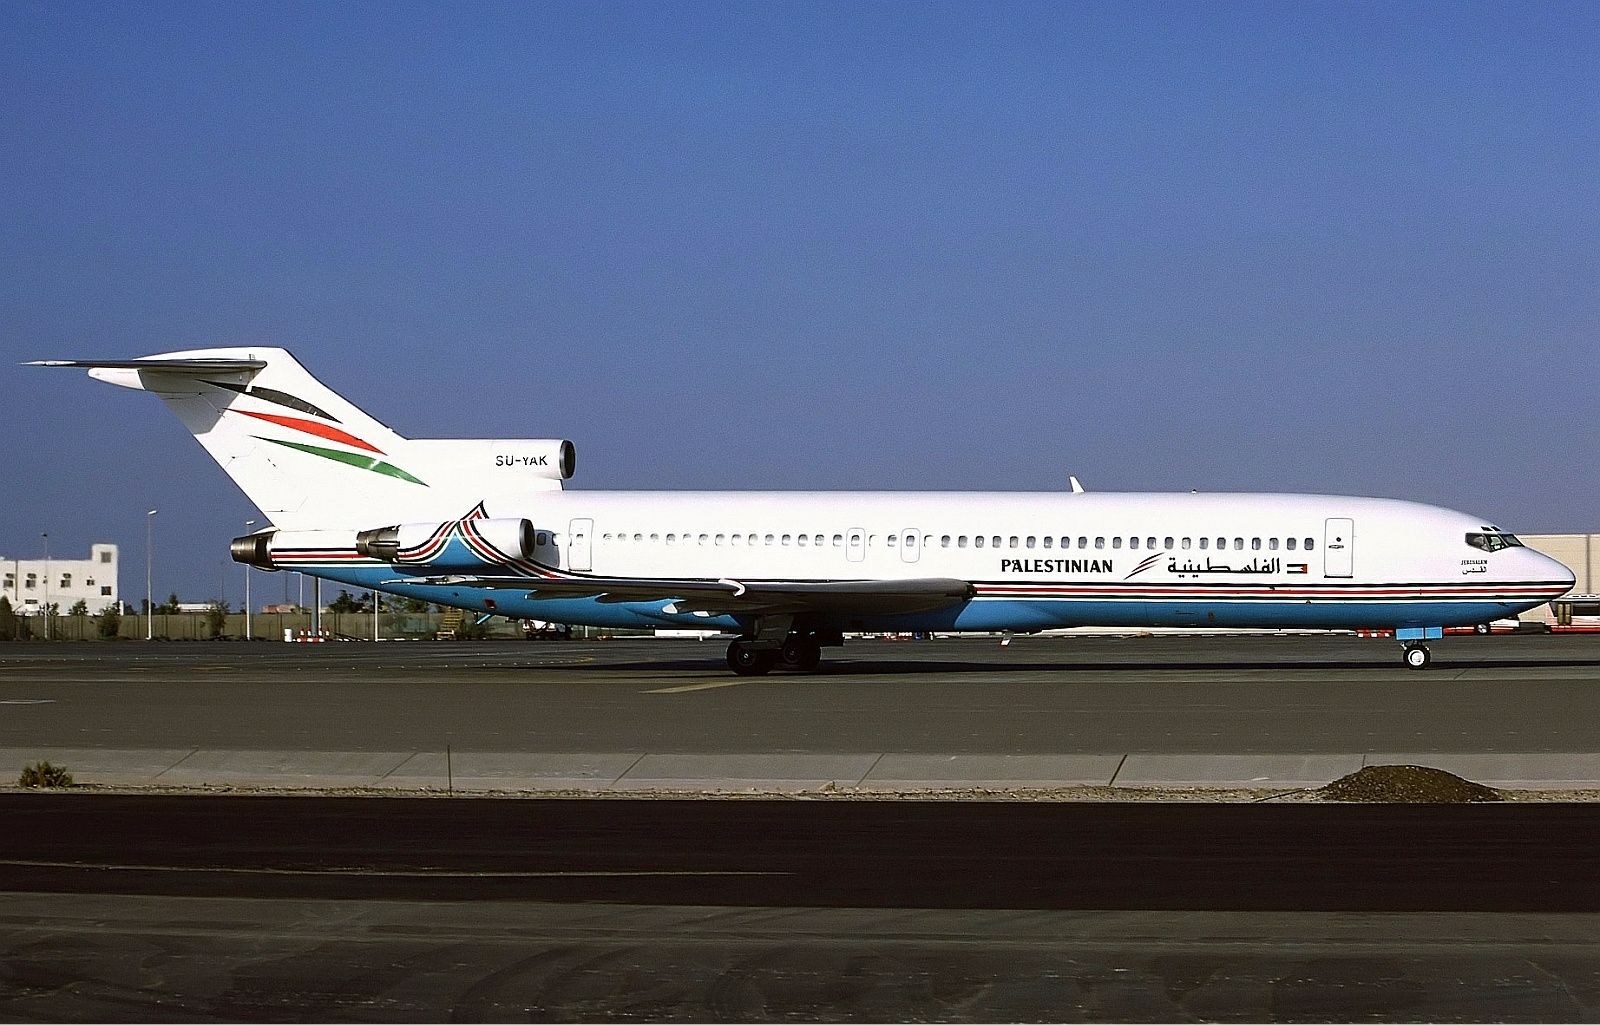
(1401, 784)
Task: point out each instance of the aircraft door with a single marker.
(580, 543)
(855, 544)
(910, 545)
(1339, 548)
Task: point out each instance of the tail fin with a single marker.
(308, 458)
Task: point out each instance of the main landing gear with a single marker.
(756, 656)
(1417, 656)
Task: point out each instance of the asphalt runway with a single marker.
(1054, 695)
(305, 908)
(311, 908)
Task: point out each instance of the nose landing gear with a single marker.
(1415, 653)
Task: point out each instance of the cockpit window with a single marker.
(1493, 542)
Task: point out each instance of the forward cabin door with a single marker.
(580, 543)
(910, 545)
(1339, 548)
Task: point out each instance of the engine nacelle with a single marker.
(464, 544)
(285, 549)
(455, 545)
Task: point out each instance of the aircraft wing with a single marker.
(866, 597)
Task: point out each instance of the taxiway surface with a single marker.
(1055, 695)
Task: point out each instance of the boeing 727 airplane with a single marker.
(487, 526)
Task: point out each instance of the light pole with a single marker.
(247, 525)
(149, 564)
(47, 616)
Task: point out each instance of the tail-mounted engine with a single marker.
(454, 545)
(467, 543)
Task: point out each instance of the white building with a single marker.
(30, 583)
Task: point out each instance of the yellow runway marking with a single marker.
(697, 686)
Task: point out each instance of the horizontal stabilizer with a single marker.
(165, 366)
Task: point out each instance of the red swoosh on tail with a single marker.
(321, 430)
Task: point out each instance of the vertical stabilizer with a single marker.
(309, 459)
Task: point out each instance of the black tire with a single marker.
(1417, 657)
(1482, 629)
(745, 661)
(802, 653)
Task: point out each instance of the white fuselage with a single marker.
(1040, 560)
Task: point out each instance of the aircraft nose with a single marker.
(1554, 570)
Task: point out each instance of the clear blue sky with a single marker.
(1326, 247)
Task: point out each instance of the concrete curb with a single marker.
(632, 772)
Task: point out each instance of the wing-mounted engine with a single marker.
(454, 545)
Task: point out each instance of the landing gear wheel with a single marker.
(801, 653)
(1417, 656)
(1481, 629)
(747, 661)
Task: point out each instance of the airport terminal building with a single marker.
(30, 584)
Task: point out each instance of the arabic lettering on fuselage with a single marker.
(1254, 566)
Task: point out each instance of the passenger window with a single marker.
(889, 540)
(1310, 544)
(1238, 544)
(1047, 541)
(767, 540)
(1116, 543)
(1290, 543)
(1184, 544)
(672, 539)
(722, 539)
(801, 540)
(1272, 544)
(1030, 542)
(1168, 544)
(1222, 544)
(944, 542)
(1150, 543)
(1013, 542)
(704, 539)
(961, 542)
(1083, 542)
(636, 537)
(820, 540)
(977, 542)
(995, 541)
(1255, 544)
(1205, 543)
(655, 538)
(1099, 542)
(838, 540)
(786, 540)
(1133, 543)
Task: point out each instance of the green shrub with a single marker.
(43, 774)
